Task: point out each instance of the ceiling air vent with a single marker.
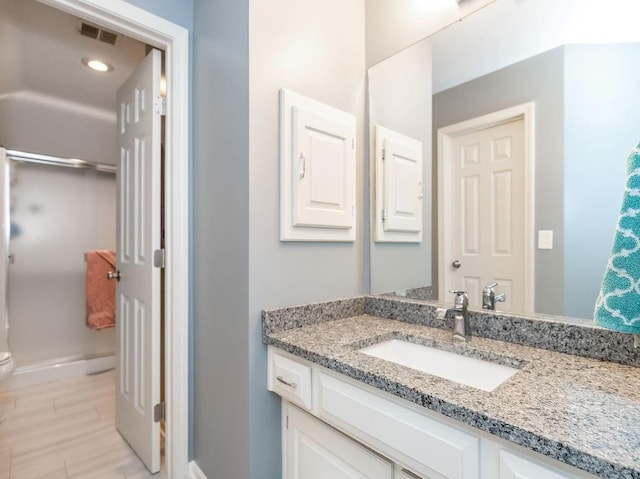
(108, 37)
(97, 33)
(89, 31)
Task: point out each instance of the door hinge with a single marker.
(159, 412)
(353, 143)
(287, 425)
(160, 105)
(384, 215)
(158, 258)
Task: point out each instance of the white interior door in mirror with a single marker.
(398, 173)
(317, 171)
(483, 218)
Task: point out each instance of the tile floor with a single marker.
(65, 430)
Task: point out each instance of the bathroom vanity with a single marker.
(347, 412)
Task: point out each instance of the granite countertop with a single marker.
(584, 412)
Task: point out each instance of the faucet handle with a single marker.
(489, 287)
(462, 300)
(500, 297)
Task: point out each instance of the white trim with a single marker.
(54, 370)
(446, 134)
(195, 472)
(5, 201)
(132, 21)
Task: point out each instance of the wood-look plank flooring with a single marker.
(65, 430)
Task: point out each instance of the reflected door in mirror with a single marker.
(486, 187)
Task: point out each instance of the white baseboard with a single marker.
(25, 376)
(195, 472)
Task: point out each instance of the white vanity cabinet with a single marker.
(348, 429)
(404, 474)
(516, 467)
(316, 450)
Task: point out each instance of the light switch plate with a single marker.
(545, 239)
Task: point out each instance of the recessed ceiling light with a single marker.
(97, 65)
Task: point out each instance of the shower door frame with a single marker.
(4, 249)
(142, 25)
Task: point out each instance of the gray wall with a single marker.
(239, 265)
(64, 129)
(221, 392)
(600, 131)
(315, 49)
(538, 79)
(176, 11)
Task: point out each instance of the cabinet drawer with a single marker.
(289, 379)
(398, 431)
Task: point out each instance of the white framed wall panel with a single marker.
(317, 171)
(398, 187)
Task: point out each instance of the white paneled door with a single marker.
(487, 203)
(138, 235)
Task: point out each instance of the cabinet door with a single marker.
(317, 451)
(516, 467)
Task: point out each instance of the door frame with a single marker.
(122, 17)
(446, 135)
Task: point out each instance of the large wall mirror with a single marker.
(541, 99)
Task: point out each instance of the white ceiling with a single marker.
(41, 51)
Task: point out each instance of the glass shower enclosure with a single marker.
(55, 210)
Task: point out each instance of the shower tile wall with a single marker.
(57, 214)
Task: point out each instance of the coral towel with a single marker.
(100, 292)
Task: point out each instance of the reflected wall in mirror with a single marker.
(575, 62)
(399, 95)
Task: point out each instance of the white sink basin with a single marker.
(472, 372)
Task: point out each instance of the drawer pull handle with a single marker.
(286, 383)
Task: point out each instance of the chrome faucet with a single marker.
(461, 326)
(489, 297)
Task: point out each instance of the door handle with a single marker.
(112, 275)
(303, 165)
(456, 264)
